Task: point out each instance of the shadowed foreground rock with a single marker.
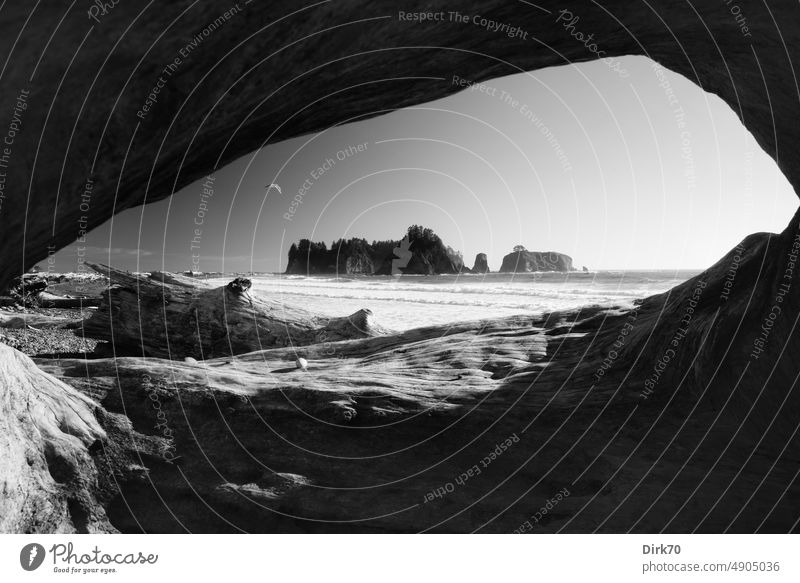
(470, 427)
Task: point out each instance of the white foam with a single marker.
(409, 302)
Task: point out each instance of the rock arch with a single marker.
(129, 106)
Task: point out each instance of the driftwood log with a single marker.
(173, 316)
(48, 300)
(48, 432)
(30, 289)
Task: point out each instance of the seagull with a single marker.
(275, 186)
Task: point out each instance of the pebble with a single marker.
(35, 342)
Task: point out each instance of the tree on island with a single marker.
(314, 256)
(519, 248)
(423, 236)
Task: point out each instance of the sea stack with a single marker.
(481, 264)
(524, 261)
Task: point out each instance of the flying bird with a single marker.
(275, 186)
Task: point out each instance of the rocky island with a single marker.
(481, 264)
(523, 261)
(419, 252)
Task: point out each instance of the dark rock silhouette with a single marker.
(524, 261)
(420, 252)
(481, 264)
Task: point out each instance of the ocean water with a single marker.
(401, 303)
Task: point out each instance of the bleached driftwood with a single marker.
(46, 472)
(173, 316)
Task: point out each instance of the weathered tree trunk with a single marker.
(47, 430)
(173, 316)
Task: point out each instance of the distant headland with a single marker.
(419, 252)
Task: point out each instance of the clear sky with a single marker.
(617, 172)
